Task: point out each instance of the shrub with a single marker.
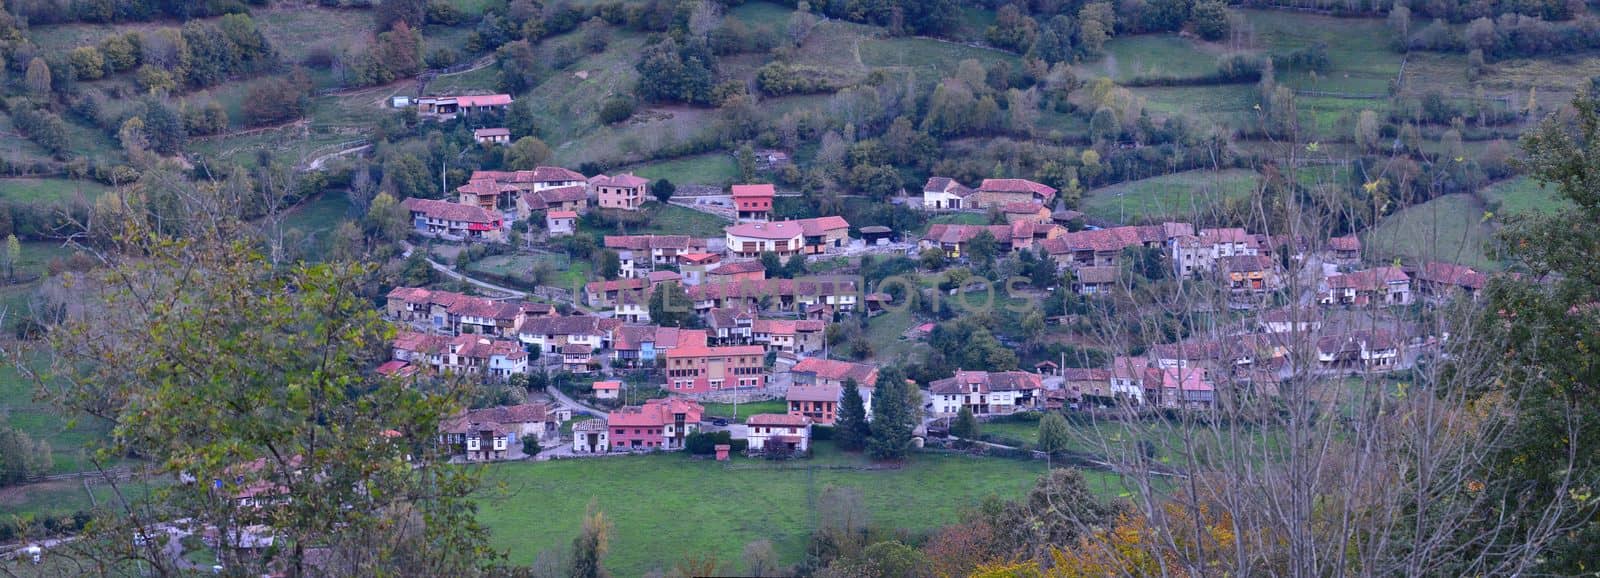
(616, 109)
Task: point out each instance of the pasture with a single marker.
(49, 190)
(1176, 196)
(1523, 196)
(716, 169)
(1451, 228)
(668, 506)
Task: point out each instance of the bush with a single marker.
(530, 445)
(702, 443)
(616, 109)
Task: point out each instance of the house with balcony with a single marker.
(944, 193)
(817, 402)
(695, 367)
(658, 424)
(753, 202)
(624, 192)
(1383, 286)
(778, 433)
(591, 437)
(987, 393)
(749, 240)
(998, 193)
(454, 221)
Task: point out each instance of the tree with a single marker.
(772, 263)
(747, 164)
(663, 190)
(12, 256)
(796, 267)
(526, 154)
(670, 306)
(87, 64)
(982, 249)
(38, 78)
(894, 415)
(1054, 435)
(932, 259)
(22, 458)
(1367, 130)
(589, 548)
(164, 127)
(761, 559)
(1210, 19)
(386, 219)
(616, 109)
(966, 424)
(852, 430)
(1542, 332)
(275, 391)
(391, 13)
(610, 264)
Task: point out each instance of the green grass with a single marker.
(666, 507)
(41, 420)
(1171, 196)
(1359, 58)
(293, 32)
(926, 54)
(767, 14)
(567, 274)
(318, 216)
(676, 220)
(1450, 228)
(25, 190)
(1227, 105)
(1153, 56)
(886, 334)
(65, 497)
(486, 79)
(746, 409)
(1522, 196)
(717, 169)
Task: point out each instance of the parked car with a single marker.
(720, 422)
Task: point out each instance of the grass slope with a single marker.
(668, 506)
(27, 190)
(1523, 196)
(1177, 195)
(1450, 228)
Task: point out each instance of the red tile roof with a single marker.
(778, 419)
(865, 375)
(656, 412)
(754, 191)
(449, 211)
(1039, 190)
(776, 230)
(948, 186)
(483, 100)
(813, 393)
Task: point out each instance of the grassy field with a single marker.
(1153, 56)
(713, 169)
(42, 421)
(1359, 58)
(1450, 228)
(926, 54)
(763, 14)
(1171, 196)
(65, 497)
(1523, 195)
(746, 409)
(482, 80)
(676, 220)
(668, 506)
(1225, 105)
(320, 214)
(27, 190)
(296, 31)
(567, 274)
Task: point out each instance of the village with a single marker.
(617, 380)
